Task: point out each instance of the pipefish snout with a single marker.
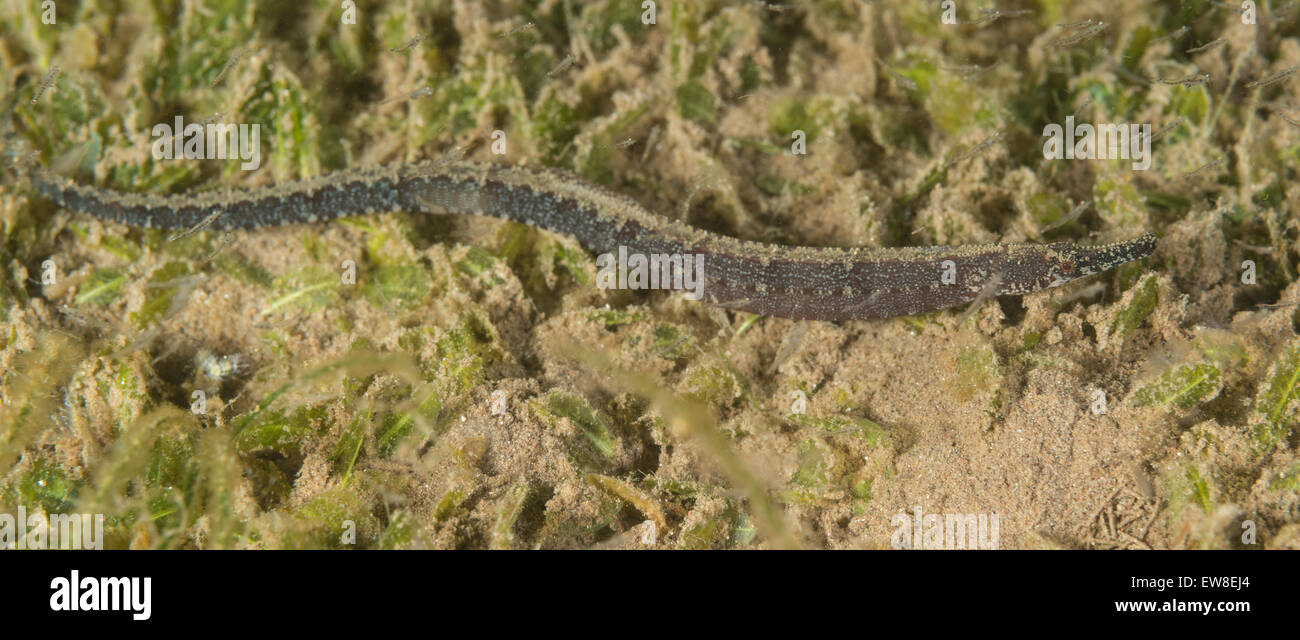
(813, 283)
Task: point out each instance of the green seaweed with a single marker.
(466, 351)
(508, 511)
(396, 427)
(285, 434)
(614, 318)
(714, 386)
(44, 484)
(1184, 387)
(348, 447)
(397, 284)
(1274, 416)
(160, 293)
(978, 372)
(595, 428)
(670, 341)
(309, 288)
(812, 477)
(333, 513)
(869, 430)
(1286, 480)
(787, 115)
(1142, 301)
(101, 287)
(479, 263)
(697, 103)
(243, 270)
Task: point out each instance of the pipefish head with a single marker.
(1072, 261)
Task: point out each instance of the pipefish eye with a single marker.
(1067, 260)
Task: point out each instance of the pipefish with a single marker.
(804, 283)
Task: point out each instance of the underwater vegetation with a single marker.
(471, 387)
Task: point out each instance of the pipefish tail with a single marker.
(805, 283)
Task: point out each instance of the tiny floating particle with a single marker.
(409, 45)
(559, 68)
(1207, 46)
(239, 53)
(1273, 79)
(46, 82)
(970, 71)
(414, 95)
(993, 15)
(907, 83)
(523, 27)
(1087, 30)
(1188, 81)
(975, 150)
(1174, 35)
(1204, 167)
(203, 224)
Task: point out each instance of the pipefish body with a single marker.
(812, 283)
